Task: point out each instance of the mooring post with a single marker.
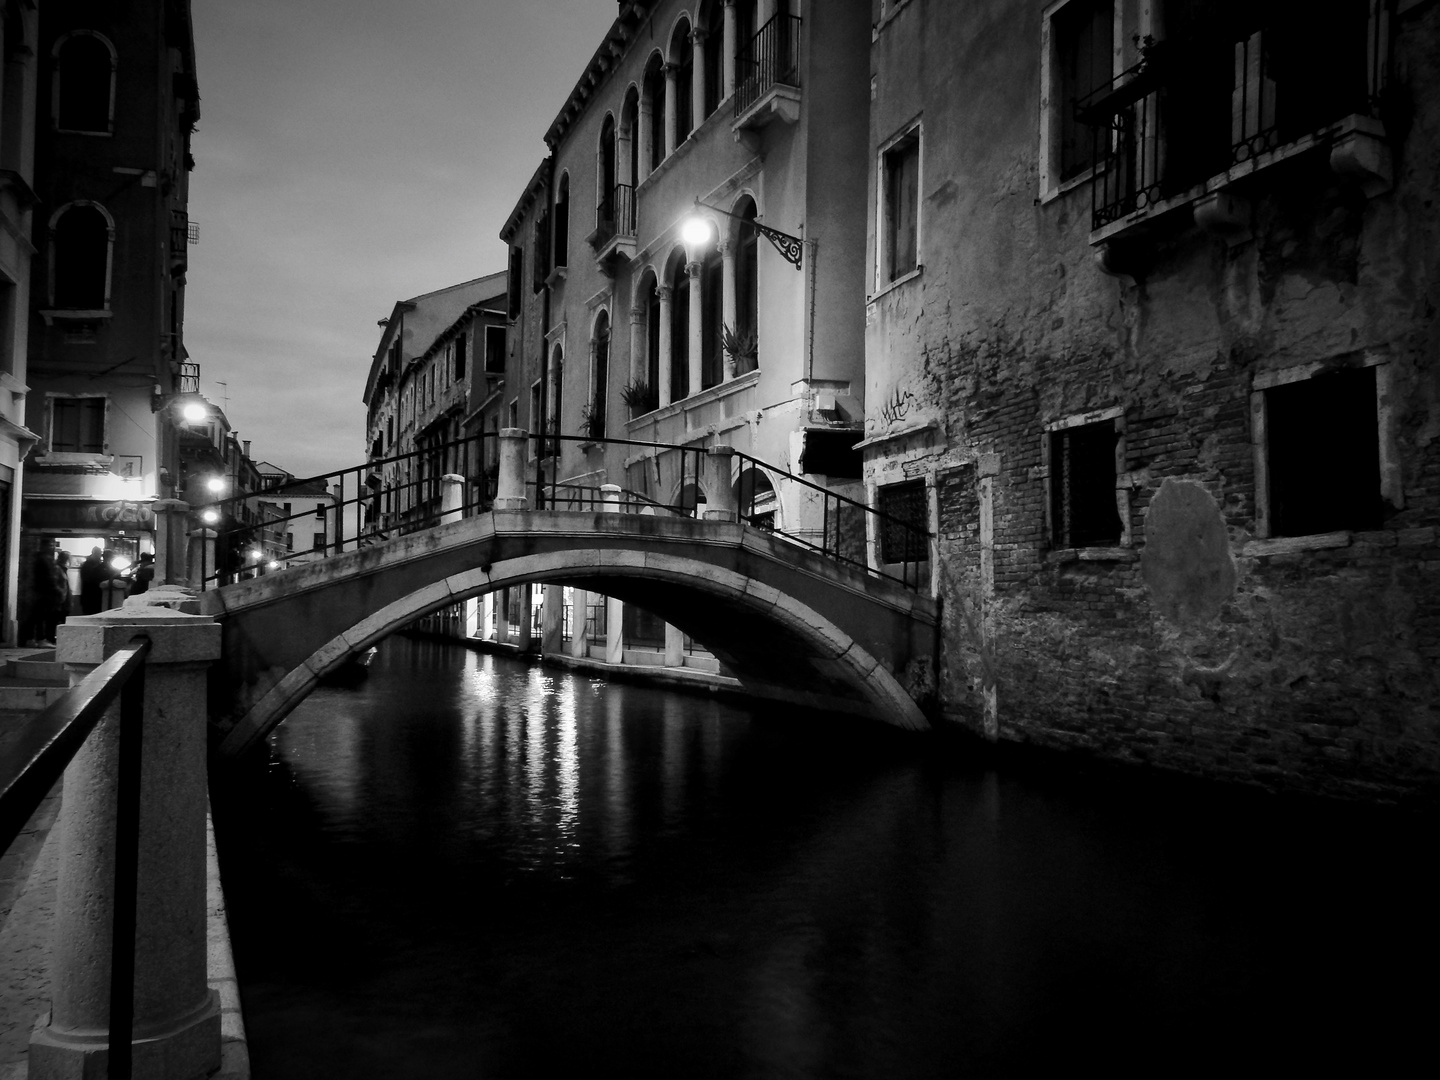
(171, 518)
(176, 1016)
(510, 484)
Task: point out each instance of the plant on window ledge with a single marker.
(742, 350)
(592, 420)
(639, 396)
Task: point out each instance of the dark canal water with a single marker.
(471, 867)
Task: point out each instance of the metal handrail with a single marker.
(772, 57)
(45, 747)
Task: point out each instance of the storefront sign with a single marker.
(99, 517)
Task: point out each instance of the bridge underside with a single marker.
(786, 622)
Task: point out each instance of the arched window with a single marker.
(712, 292)
(81, 235)
(682, 57)
(747, 65)
(562, 222)
(84, 83)
(654, 104)
(714, 23)
(605, 216)
(599, 377)
(747, 292)
(651, 292)
(755, 499)
(679, 329)
(630, 138)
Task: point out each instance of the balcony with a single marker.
(179, 242)
(614, 237)
(1191, 123)
(767, 76)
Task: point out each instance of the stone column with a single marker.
(672, 120)
(614, 630)
(552, 618)
(719, 491)
(510, 484)
(674, 647)
(727, 299)
(452, 498)
(698, 76)
(502, 618)
(525, 623)
(638, 367)
(487, 613)
(645, 122)
(200, 558)
(579, 618)
(697, 326)
(664, 390)
(171, 548)
(731, 44)
(177, 1016)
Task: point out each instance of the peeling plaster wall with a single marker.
(1202, 647)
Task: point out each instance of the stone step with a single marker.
(41, 666)
(28, 695)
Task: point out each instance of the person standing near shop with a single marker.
(60, 609)
(93, 572)
(143, 575)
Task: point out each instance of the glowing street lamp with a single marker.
(791, 248)
(209, 515)
(216, 484)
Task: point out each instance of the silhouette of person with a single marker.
(93, 572)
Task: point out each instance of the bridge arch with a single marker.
(832, 654)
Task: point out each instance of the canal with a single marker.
(468, 866)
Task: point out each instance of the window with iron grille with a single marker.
(1083, 509)
(1322, 444)
(903, 529)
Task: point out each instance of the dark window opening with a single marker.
(82, 245)
(903, 528)
(712, 312)
(1322, 440)
(77, 425)
(84, 93)
(902, 207)
(562, 224)
(832, 454)
(1083, 510)
(461, 347)
(1084, 35)
(714, 57)
(495, 350)
(516, 272)
(679, 332)
(684, 61)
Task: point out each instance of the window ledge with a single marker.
(1091, 554)
(1286, 545)
(893, 285)
(62, 457)
(54, 315)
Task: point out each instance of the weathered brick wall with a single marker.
(1201, 648)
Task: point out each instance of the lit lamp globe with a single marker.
(695, 231)
(216, 484)
(210, 517)
(193, 412)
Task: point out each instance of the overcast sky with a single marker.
(352, 153)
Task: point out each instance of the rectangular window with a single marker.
(1322, 444)
(1082, 35)
(903, 529)
(1083, 472)
(289, 541)
(900, 207)
(461, 344)
(319, 541)
(495, 350)
(77, 425)
(516, 272)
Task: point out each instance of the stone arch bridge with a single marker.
(788, 622)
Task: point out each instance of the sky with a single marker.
(352, 153)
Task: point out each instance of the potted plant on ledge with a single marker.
(741, 349)
(640, 397)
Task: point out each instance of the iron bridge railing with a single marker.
(404, 493)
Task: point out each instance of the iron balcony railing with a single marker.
(770, 59)
(615, 216)
(1191, 110)
(42, 751)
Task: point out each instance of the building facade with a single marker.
(627, 325)
(117, 102)
(19, 44)
(1151, 345)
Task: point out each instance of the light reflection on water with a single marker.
(470, 866)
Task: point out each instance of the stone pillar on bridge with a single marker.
(171, 519)
(510, 485)
(719, 488)
(200, 557)
(610, 499)
(177, 1015)
(526, 622)
(452, 498)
